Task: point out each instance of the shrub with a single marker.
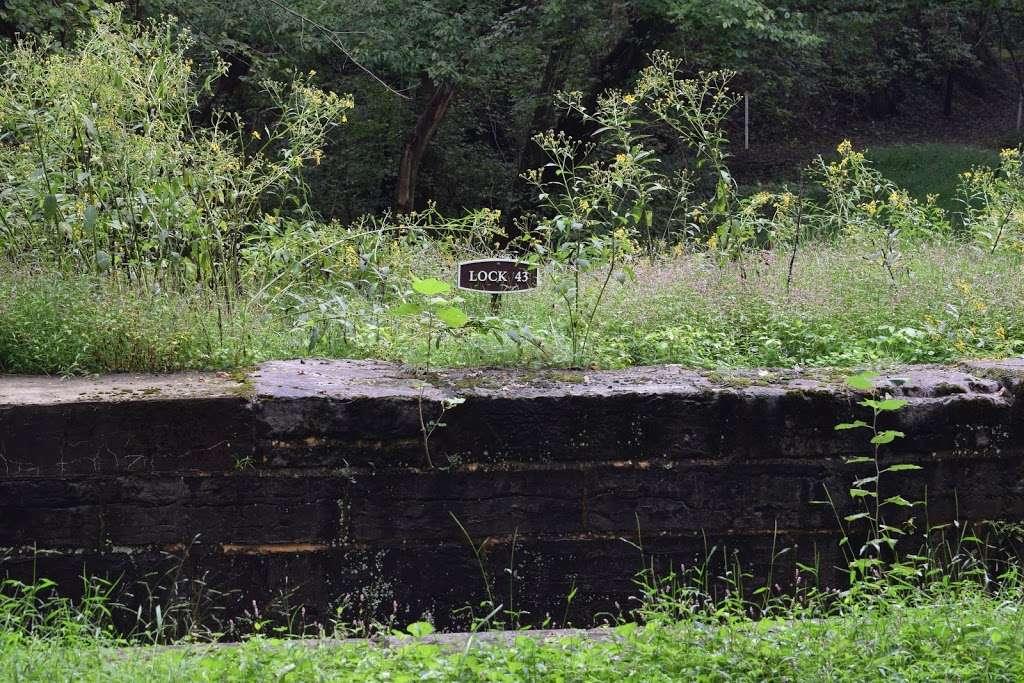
(105, 171)
(993, 202)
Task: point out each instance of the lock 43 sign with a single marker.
(497, 276)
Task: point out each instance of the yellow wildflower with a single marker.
(785, 201)
(256, 134)
(621, 158)
(845, 147)
(629, 99)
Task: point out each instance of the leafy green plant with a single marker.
(437, 311)
(860, 203)
(113, 176)
(438, 314)
(695, 108)
(993, 203)
(878, 552)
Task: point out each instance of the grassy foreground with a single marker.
(952, 302)
(967, 637)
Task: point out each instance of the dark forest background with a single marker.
(449, 92)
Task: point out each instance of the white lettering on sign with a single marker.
(497, 276)
(488, 276)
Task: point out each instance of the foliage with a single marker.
(804, 64)
(994, 203)
(861, 203)
(686, 310)
(113, 177)
(51, 322)
(599, 197)
(439, 312)
(969, 636)
(727, 280)
(878, 553)
(58, 18)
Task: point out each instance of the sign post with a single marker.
(497, 277)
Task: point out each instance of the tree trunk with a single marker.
(620, 63)
(528, 154)
(626, 57)
(416, 146)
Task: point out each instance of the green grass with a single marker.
(841, 311)
(53, 323)
(931, 168)
(965, 636)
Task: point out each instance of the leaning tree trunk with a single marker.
(416, 146)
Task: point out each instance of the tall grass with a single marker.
(838, 311)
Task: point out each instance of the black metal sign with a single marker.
(497, 276)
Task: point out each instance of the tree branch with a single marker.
(332, 37)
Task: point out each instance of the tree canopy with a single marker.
(450, 94)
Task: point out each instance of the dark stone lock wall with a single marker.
(306, 484)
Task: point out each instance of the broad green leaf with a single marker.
(861, 493)
(855, 517)
(851, 425)
(861, 381)
(884, 405)
(431, 286)
(50, 207)
(408, 308)
(625, 630)
(888, 436)
(890, 404)
(901, 468)
(452, 316)
(90, 218)
(420, 629)
(858, 459)
(898, 500)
